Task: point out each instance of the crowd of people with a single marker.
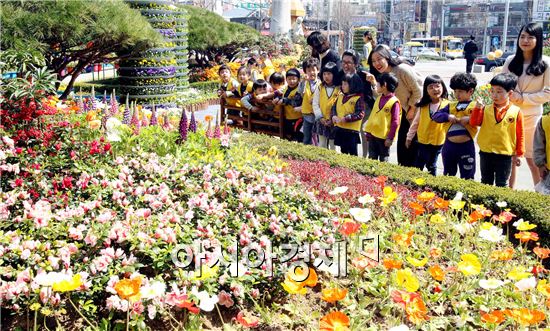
(333, 101)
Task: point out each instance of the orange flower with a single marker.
(441, 203)
(331, 295)
(437, 273)
(542, 253)
(302, 276)
(403, 297)
(494, 317)
(504, 255)
(526, 236)
(425, 196)
(504, 217)
(416, 311)
(403, 239)
(363, 262)
(475, 216)
(392, 264)
(417, 208)
(334, 321)
(525, 316)
(128, 289)
(349, 227)
(208, 118)
(247, 322)
(435, 252)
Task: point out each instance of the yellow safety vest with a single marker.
(465, 112)
(326, 102)
(290, 113)
(232, 84)
(307, 99)
(240, 93)
(546, 127)
(498, 137)
(347, 108)
(379, 121)
(430, 132)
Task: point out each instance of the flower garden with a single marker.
(164, 223)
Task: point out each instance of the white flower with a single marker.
(494, 234)
(113, 129)
(463, 228)
(458, 196)
(401, 327)
(207, 302)
(526, 284)
(362, 215)
(338, 190)
(490, 284)
(154, 290)
(502, 204)
(333, 269)
(48, 279)
(367, 198)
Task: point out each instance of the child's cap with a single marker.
(293, 72)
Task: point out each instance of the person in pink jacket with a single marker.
(533, 88)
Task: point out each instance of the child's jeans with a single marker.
(378, 149)
(307, 128)
(459, 156)
(427, 157)
(495, 168)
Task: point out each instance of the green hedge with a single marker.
(530, 206)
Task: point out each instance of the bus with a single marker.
(452, 46)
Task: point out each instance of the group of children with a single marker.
(332, 108)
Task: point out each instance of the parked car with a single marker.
(405, 59)
(490, 65)
(427, 52)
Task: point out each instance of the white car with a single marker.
(427, 51)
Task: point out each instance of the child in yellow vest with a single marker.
(227, 85)
(255, 71)
(245, 84)
(291, 101)
(541, 153)
(501, 132)
(306, 89)
(383, 123)
(431, 134)
(266, 65)
(347, 113)
(323, 99)
(459, 149)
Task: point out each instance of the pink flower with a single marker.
(225, 299)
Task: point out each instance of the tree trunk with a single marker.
(75, 73)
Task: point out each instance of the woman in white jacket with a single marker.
(533, 89)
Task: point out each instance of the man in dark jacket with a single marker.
(470, 48)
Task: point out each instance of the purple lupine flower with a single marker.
(94, 103)
(80, 105)
(183, 126)
(208, 132)
(104, 97)
(154, 120)
(193, 122)
(135, 117)
(226, 129)
(126, 115)
(114, 104)
(217, 133)
(166, 124)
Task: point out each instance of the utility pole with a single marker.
(280, 17)
(329, 14)
(505, 31)
(442, 27)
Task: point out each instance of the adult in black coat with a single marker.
(470, 48)
(350, 65)
(320, 48)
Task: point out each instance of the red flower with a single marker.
(247, 322)
(349, 227)
(107, 147)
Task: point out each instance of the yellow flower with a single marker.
(205, 273)
(486, 225)
(437, 219)
(426, 196)
(293, 287)
(469, 265)
(68, 285)
(95, 124)
(544, 288)
(272, 151)
(457, 204)
(389, 196)
(407, 280)
(518, 273)
(420, 181)
(128, 289)
(416, 262)
(524, 226)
